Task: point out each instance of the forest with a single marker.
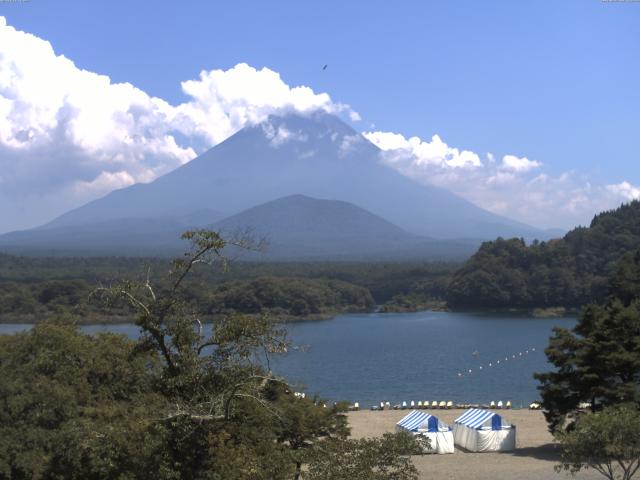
(35, 288)
(567, 272)
(504, 274)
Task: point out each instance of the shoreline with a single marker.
(538, 312)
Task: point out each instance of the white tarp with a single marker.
(479, 430)
(422, 423)
(439, 442)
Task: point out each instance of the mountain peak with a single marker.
(316, 155)
(297, 131)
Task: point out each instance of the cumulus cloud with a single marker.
(223, 102)
(69, 135)
(511, 162)
(434, 153)
(625, 190)
(512, 186)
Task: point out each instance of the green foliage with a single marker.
(182, 402)
(568, 272)
(290, 297)
(72, 406)
(606, 441)
(365, 459)
(598, 361)
(33, 289)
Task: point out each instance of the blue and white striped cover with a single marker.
(414, 419)
(476, 417)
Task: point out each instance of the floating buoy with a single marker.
(480, 367)
(469, 370)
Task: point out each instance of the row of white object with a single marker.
(497, 362)
(419, 404)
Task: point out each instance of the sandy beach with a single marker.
(534, 458)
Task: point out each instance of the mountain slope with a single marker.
(298, 227)
(125, 236)
(569, 272)
(319, 156)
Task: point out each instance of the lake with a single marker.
(410, 356)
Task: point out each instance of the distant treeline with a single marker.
(569, 272)
(32, 288)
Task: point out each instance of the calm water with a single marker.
(411, 356)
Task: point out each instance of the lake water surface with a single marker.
(410, 356)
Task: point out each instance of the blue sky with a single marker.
(556, 82)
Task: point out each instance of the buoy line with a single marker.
(514, 356)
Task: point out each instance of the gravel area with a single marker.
(534, 458)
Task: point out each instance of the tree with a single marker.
(570, 272)
(606, 441)
(366, 459)
(226, 403)
(187, 400)
(598, 361)
(76, 406)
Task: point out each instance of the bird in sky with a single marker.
(325, 66)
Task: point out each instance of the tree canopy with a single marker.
(598, 361)
(569, 272)
(184, 401)
(35, 288)
(606, 441)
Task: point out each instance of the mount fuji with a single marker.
(301, 158)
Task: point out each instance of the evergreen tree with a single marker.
(598, 361)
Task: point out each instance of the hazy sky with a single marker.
(529, 109)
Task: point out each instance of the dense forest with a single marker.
(568, 272)
(506, 273)
(35, 288)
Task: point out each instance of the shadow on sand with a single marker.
(548, 451)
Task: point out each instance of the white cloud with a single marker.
(625, 190)
(279, 134)
(513, 186)
(68, 135)
(349, 143)
(433, 153)
(106, 181)
(511, 162)
(222, 102)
